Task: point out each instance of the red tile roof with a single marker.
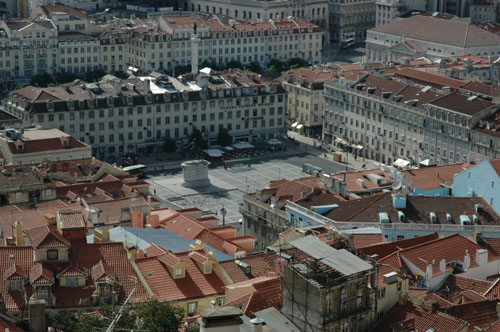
(365, 240)
(195, 284)
(261, 264)
(71, 271)
(46, 237)
(71, 219)
(495, 327)
(386, 248)
(101, 270)
(423, 77)
(422, 320)
(459, 283)
(14, 272)
(450, 248)
(462, 104)
(443, 303)
(41, 274)
(45, 145)
(479, 314)
(434, 177)
(481, 88)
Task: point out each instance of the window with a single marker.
(42, 292)
(52, 254)
(178, 272)
(208, 268)
(220, 301)
(192, 308)
(381, 293)
(72, 282)
(15, 284)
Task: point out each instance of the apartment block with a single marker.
(351, 19)
(165, 42)
(136, 115)
(305, 98)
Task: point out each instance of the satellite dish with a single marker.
(405, 190)
(396, 185)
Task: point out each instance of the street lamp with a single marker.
(223, 212)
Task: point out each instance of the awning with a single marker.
(214, 153)
(243, 145)
(274, 141)
(339, 140)
(228, 148)
(357, 146)
(401, 163)
(294, 124)
(300, 126)
(427, 163)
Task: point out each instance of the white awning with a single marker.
(243, 145)
(274, 141)
(357, 146)
(339, 140)
(300, 126)
(401, 163)
(294, 124)
(214, 153)
(228, 148)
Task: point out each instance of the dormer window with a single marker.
(50, 107)
(52, 254)
(179, 272)
(208, 269)
(15, 285)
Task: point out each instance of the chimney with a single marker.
(137, 219)
(19, 234)
(428, 272)
(442, 266)
(373, 279)
(36, 315)
(481, 257)
(256, 324)
(466, 260)
(149, 199)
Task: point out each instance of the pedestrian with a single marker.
(355, 157)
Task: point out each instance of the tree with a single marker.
(234, 64)
(271, 72)
(42, 80)
(159, 316)
(255, 67)
(94, 76)
(65, 77)
(121, 74)
(169, 145)
(180, 70)
(63, 321)
(278, 65)
(297, 63)
(224, 138)
(197, 139)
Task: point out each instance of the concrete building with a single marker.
(165, 42)
(78, 53)
(305, 98)
(37, 145)
(387, 11)
(116, 117)
(351, 19)
(483, 11)
(28, 47)
(377, 118)
(431, 37)
(328, 291)
(315, 11)
(264, 214)
(479, 180)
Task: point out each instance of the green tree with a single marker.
(180, 70)
(278, 65)
(224, 138)
(234, 64)
(271, 72)
(159, 316)
(64, 321)
(94, 76)
(121, 74)
(255, 67)
(211, 65)
(19, 86)
(297, 63)
(197, 139)
(42, 80)
(64, 77)
(169, 145)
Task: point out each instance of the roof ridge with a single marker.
(367, 206)
(433, 241)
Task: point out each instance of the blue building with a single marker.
(480, 180)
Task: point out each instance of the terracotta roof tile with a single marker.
(450, 248)
(261, 264)
(495, 327)
(460, 103)
(459, 283)
(101, 270)
(365, 240)
(443, 303)
(195, 284)
(41, 274)
(422, 77)
(45, 236)
(421, 319)
(71, 271)
(434, 177)
(386, 248)
(479, 314)
(71, 219)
